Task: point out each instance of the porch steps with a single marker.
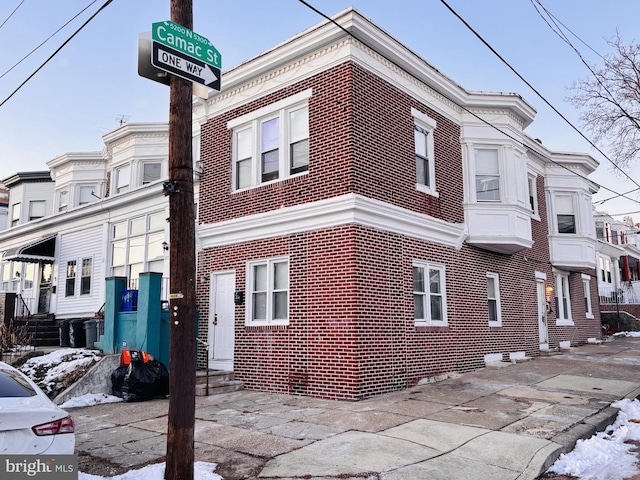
(43, 330)
(220, 381)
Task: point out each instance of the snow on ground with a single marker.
(606, 456)
(89, 400)
(201, 471)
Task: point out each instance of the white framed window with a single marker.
(37, 209)
(271, 143)
(63, 200)
(85, 277)
(429, 294)
(268, 292)
(487, 175)
(85, 194)
(565, 214)
(151, 172)
(136, 246)
(70, 283)
(423, 128)
(562, 299)
(586, 283)
(533, 194)
(15, 214)
(123, 178)
(493, 300)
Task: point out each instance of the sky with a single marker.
(91, 85)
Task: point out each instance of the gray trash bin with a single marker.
(91, 332)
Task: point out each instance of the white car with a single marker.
(30, 423)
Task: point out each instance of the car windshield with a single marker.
(12, 384)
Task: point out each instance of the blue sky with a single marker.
(92, 83)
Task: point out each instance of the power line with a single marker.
(11, 14)
(493, 50)
(519, 141)
(48, 38)
(56, 52)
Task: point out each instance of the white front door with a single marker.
(221, 320)
(543, 330)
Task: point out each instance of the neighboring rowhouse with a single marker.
(92, 215)
(365, 222)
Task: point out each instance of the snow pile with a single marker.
(201, 471)
(57, 370)
(627, 334)
(606, 455)
(89, 400)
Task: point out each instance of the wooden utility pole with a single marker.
(182, 347)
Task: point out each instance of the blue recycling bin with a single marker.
(130, 300)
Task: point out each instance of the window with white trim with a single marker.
(63, 200)
(85, 277)
(563, 301)
(565, 214)
(15, 214)
(533, 194)
(429, 297)
(493, 300)
(271, 143)
(37, 209)
(423, 128)
(268, 292)
(70, 283)
(586, 283)
(151, 171)
(487, 175)
(85, 194)
(123, 178)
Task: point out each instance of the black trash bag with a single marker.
(140, 381)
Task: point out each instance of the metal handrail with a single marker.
(24, 305)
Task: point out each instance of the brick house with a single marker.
(366, 223)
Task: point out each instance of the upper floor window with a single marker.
(271, 143)
(424, 152)
(605, 270)
(429, 299)
(493, 299)
(533, 194)
(85, 194)
(151, 172)
(268, 291)
(565, 214)
(37, 209)
(63, 200)
(15, 214)
(487, 175)
(123, 178)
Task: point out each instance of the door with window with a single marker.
(221, 321)
(44, 298)
(543, 329)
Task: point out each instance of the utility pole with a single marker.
(182, 347)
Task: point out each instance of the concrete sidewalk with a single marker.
(509, 421)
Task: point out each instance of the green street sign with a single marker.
(179, 38)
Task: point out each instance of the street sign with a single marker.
(185, 66)
(173, 35)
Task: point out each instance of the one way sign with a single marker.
(185, 66)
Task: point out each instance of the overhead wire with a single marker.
(11, 14)
(48, 38)
(519, 141)
(542, 97)
(56, 52)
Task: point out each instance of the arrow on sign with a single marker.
(184, 66)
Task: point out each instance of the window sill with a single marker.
(590, 316)
(495, 324)
(424, 327)
(426, 189)
(535, 216)
(563, 322)
(266, 327)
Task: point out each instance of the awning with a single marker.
(42, 250)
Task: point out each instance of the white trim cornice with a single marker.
(342, 210)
